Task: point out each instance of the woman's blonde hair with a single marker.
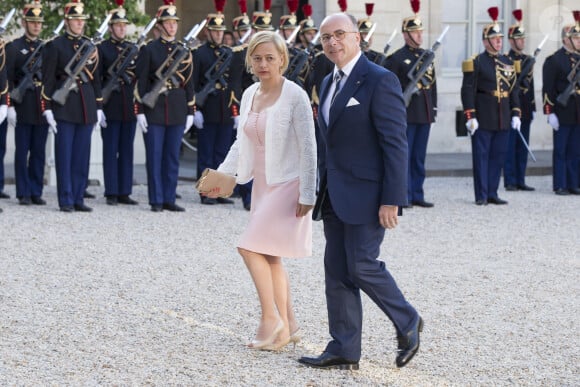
(268, 37)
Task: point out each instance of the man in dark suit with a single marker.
(363, 182)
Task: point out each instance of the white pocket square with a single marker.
(352, 102)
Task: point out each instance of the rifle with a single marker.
(296, 65)
(215, 74)
(388, 45)
(169, 67)
(6, 20)
(573, 80)
(75, 66)
(529, 63)
(32, 69)
(415, 75)
(118, 70)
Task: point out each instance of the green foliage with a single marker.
(53, 13)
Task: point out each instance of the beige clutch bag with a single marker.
(211, 179)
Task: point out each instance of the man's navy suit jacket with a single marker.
(363, 161)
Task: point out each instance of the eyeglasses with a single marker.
(338, 35)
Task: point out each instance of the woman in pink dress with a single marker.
(277, 149)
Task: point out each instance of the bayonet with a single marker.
(6, 20)
(388, 45)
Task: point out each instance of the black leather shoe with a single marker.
(156, 207)
(496, 201)
(224, 201)
(575, 191)
(4, 195)
(511, 188)
(24, 201)
(125, 199)
(481, 202)
(177, 196)
(206, 200)
(67, 208)
(112, 200)
(525, 187)
(38, 200)
(88, 195)
(561, 191)
(409, 344)
(173, 207)
(247, 206)
(329, 361)
(422, 203)
(82, 208)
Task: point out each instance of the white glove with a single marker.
(188, 123)
(142, 122)
(12, 116)
(236, 121)
(516, 123)
(51, 121)
(101, 118)
(3, 113)
(472, 125)
(198, 120)
(553, 121)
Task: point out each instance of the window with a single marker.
(466, 20)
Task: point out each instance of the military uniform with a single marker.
(364, 27)
(77, 116)
(31, 129)
(4, 123)
(566, 152)
(119, 135)
(490, 95)
(166, 120)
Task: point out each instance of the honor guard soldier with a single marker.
(262, 20)
(308, 29)
(217, 88)
(164, 106)
(298, 65)
(364, 27)
(241, 25)
(70, 62)
(119, 135)
(3, 114)
(514, 172)
(289, 23)
(422, 108)
(23, 68)
(490, 98)
(561, 94)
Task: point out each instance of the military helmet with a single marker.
(168, 11)
(307, 24)
(288, 22)
(33, 12)
(262, 21)
(365, 24)
(75, 10)
(574, 30)
(216, 21)
(413, 23)
(517, 30)
(493, 29)
(119, 14)
(242, 22)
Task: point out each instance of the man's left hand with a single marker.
(388, 216)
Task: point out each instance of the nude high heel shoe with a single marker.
(295, 337)
(269, 341)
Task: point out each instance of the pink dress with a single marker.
(274, 228)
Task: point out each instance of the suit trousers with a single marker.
(3, 131)
(118, 138)
(72, 149)
(417, 138)
(566, 157)
(162, 145)
(29, 156)
(516, 160)
(351, 265)
(213, 143)
(488, 151)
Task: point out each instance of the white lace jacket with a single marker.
(289, 140)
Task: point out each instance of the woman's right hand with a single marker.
(302, 210)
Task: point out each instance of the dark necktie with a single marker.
(337, 78)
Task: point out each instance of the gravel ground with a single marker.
(124, 296)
